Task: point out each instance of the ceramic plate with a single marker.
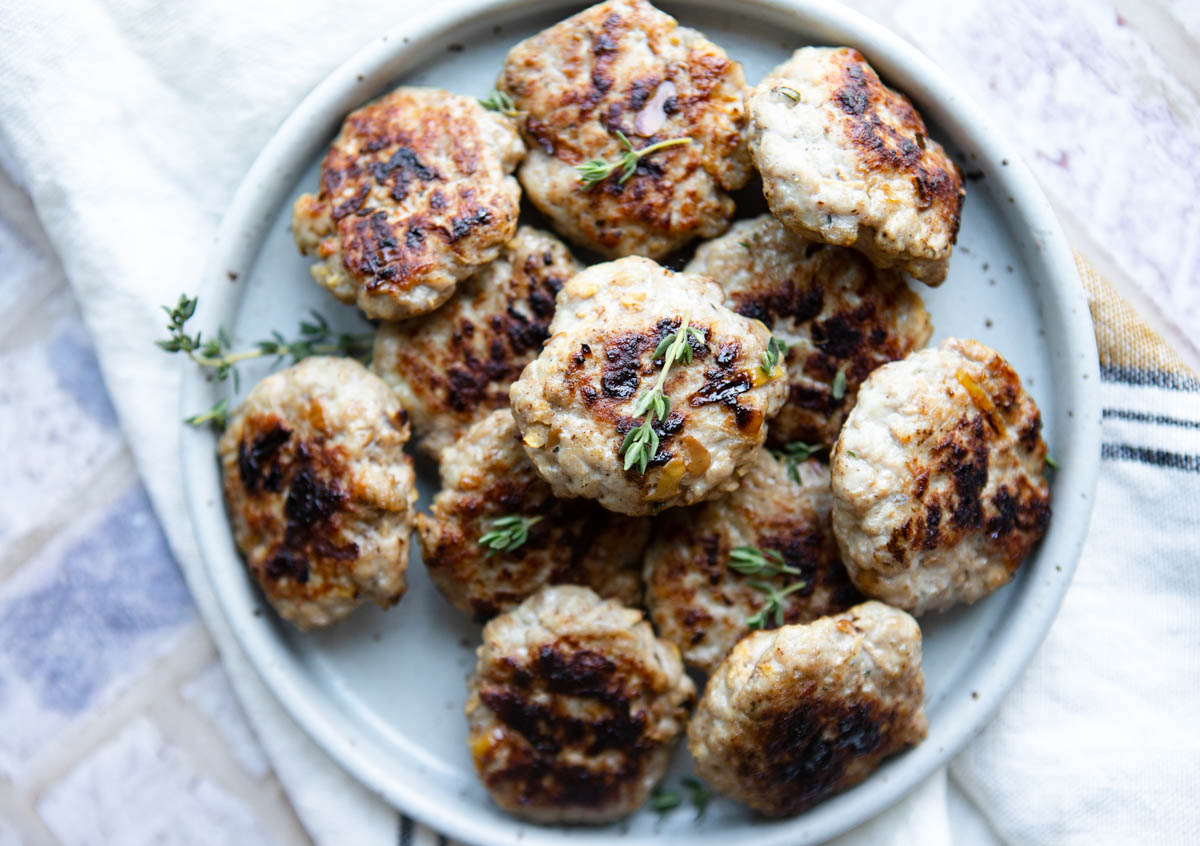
(383, 692)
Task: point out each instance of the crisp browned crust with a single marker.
(414, 195)
(574, 708)
(625, 66)
(939, 478)
(890, 136)
(949, 493)
(487, 475)
(575, 402)
(701, 604)
(453, 367)
(320, 531)
(848, 161)
(798, 714)
(834, 309)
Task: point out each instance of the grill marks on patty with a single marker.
(270, 462)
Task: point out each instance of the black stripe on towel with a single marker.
(1143, 377)
(1143, 417)
(1153, 457)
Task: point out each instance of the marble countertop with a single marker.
(123, 727)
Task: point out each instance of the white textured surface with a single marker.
(210, 692)
(140, 788)
(1112, 134)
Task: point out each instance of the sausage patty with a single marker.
(797, 714)
(840, 316)
(576, 403)
(487, 477)
(625, 67)
(574, 708)
(703, 604)
(415, 195)
(939, 478)
(847, 160)
(453, 367)
(319, 489)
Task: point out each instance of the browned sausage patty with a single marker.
(703, 604)
(624, 66)
(574, 708)
(487, 476)
(319, 489)
(454, 366)
(836, 311)
(797, 714)
(415, 195)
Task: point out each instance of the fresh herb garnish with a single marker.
(1051, 463)
(789, 92)
(774, 604)
(641, 442)
(315, 338)
(594, 172)
(793, 454)
(776, 350)
(839, 384)
(500, 102)
(750, 561)
(698, 793)
(507, 533)
(664, 800)
(217, 416)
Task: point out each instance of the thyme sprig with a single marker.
(507, 533)
(750, 561)
(315, 338)
(662, 800)
(795, 453)
(641, 442)
(500, 102)
(595, 171)
(776, 351)
(774, 604)
(217, 416)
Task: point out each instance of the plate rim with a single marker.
(240, 236)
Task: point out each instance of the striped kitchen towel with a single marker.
(1098, 741)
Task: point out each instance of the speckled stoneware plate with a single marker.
(383, 692)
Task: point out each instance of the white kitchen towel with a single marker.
(131, 125)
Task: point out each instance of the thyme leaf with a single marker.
(507, 533)
(774, 604)
(664, 800)
(789, 92)
(500, 102)
(641, 442)
(750, 561)
(776, 351)
(315, 337)
(595, 171)
(795, 453)
(839, 384)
